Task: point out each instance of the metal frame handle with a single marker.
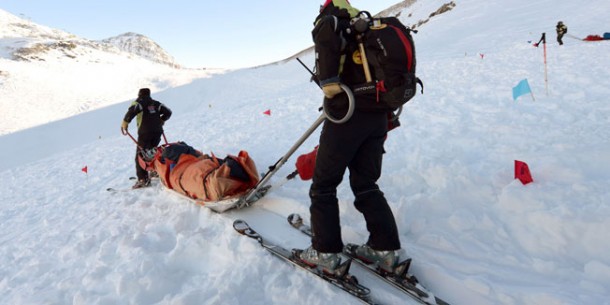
(350, 108)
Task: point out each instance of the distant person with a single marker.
(561, 29)
(151, 115)
(356, 145)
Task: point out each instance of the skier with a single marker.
(356, 145)
(561, 29)
(151, 115)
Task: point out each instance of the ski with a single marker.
(340, 278)
(125, 190)
(113, 190)
(400, 278)
(129, 189)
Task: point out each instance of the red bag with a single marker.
(306, 164)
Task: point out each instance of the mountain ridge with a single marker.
(142, 46)
(85, 75)
(25, 40)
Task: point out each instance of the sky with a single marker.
(211, 34)
(475, 233)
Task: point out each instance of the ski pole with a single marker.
(573, 37)
(314, 78)
(260, 189)
(546, 79)
(257, 192)
(346, 89)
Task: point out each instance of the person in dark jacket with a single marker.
(151, 115)
(356, 145)
(561, 29)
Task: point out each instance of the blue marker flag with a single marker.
(522, 88)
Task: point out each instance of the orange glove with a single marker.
(124, 125)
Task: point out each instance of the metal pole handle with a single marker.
(125, 132)
(350, 108)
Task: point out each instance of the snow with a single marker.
(476, 235)
(87, 76)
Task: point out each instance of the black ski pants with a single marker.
(145, 141)
(356, 145)
(560, 38)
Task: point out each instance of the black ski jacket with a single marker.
(338, 58)
(151, 115)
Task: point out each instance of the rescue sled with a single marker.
(216, 183)
(230, 182)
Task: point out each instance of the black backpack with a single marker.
(173, 151)
(390, 52)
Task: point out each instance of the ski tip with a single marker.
(243, 228)
(240, 226)
(295, 220)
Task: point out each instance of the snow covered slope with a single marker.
(477, 235)
(48, 74)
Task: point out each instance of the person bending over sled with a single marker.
(356, 145)
(151, 115)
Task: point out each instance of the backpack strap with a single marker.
(407, 45)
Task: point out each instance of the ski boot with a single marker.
(327, 262)
(141, 183)
(386, 261)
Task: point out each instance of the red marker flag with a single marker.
(522, 172)
(84, 169)
(268, 112)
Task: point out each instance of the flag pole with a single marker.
(86, 171)
(546, 80)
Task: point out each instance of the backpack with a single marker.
(390, 53)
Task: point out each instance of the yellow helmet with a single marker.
(340, 4)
